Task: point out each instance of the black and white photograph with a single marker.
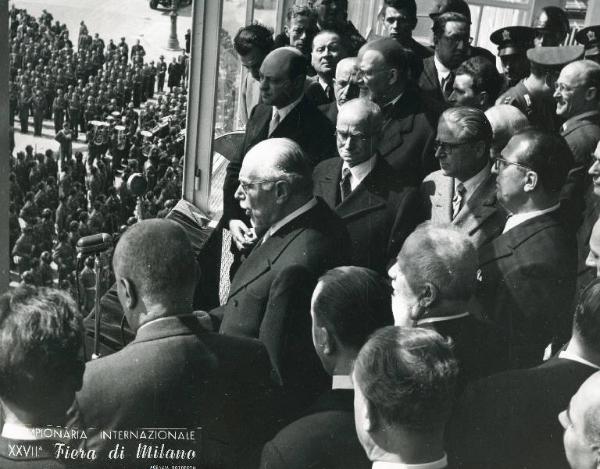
(300, 234)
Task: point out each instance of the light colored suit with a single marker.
(481, 217)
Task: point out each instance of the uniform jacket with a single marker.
(306, 125)
(481, 217)
(177, 374)
(324, 438)
(509, 420)
(408, 137)
(539, 109)
(331, 111)
(527, 283)
(379, 213)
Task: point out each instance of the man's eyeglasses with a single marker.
(345, 136)
(248, 185)
(455, 40)
(562, 88)
(447, 147)
(501, 162)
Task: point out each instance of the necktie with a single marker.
(330, 94)
(448, 85)
(345, 186)
(274, 122)
(458, 199)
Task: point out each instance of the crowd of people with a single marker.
(416, 245)
(106, 92)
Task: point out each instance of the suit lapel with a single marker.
(478, 207)
(365, 198)
(260, 129)
(441, 201)
(329, 182)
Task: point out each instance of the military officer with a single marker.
(74, 112)
(551, 27)
(24, 108)
(39, 109)
(513, 43)
(59, 108)
(162, 70)
(533, 95)
(589, 38)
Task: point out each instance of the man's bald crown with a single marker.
(289, 58)
(393, 53)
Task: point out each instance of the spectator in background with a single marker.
(348, 305)
(327, 50)
(506, 121)
(41, 337)
(400, 19)
(299, 30)
(551, 27)
(404, 385)
(477, 84)
(345, 87)
(333, 15)
(252, 43)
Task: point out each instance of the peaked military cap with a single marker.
(513, 39)
(589, 38)
(554, 57)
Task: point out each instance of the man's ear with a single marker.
(591, 93)
(282, 191)
(394, 76)
(371, 419)
(130, 293)
(428, 295)
(324, 340)
(532, 180)
(286, 30)
(482, 98)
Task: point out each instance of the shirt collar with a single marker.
(474, 182)
(568, 354)
(441, 69)
(323, 83)
(342, 382)
(441, 318)
(439, 464)
(520, 218)
(288, 218)
(360, 171)
(392, 102)
(284, 111)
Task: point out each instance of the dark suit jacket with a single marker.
(379, 214)
(429, 81)
(176, 374)
(479, 346)
(306, 125)
(315, 92)
(330, 111)
(324, 438)
(481, 217)
(408, 137)
(527, 283)
(510, 420)
(270, 295)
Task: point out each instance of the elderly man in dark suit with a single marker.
(284, 112)
(451, 38)
(176, 373)
(378, 207)
(527, 275)
(577, 97)
(297, 238)
(509, 419)
(463, 192)
(434, 284)
(328, 49)
(348, 305)
(345, 87)
(408, 133)
(404, 384)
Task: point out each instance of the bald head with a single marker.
(506, 121)
(156, 256)
(346, 80)
(393, 54)
(282, 76)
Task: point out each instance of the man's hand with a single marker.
(243, 237)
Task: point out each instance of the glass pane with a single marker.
(265, 12)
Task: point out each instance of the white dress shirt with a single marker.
(284, 111)
(473, 183)
(568, 354)
(360, 171)
(439, 464)
(520, 218)
(442, 70)
(342, 382)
